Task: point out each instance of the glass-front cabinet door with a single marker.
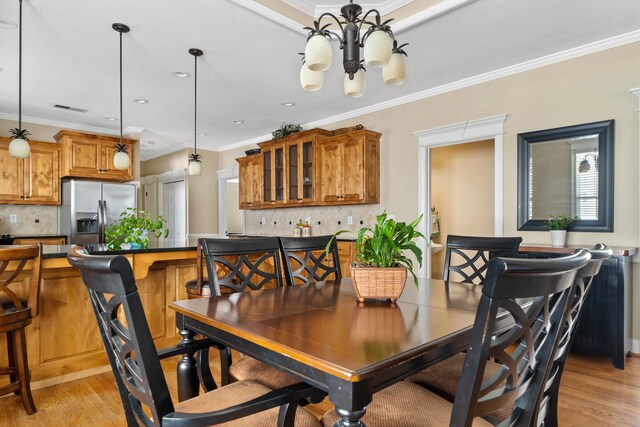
(273, 167)
(301, 171)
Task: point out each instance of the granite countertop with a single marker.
(60, 251)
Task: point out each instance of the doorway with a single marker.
(231, 219)
(462, 193)
(459, 133)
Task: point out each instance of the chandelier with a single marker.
(380, 50)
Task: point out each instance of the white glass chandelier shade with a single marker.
(355, 88)
(318, 53)
(121, 160)
(377, 49)
(395, 71)
(195, 168)
(19, 148)
(311, 81)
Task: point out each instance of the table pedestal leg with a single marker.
(187, 372)
(349, 418)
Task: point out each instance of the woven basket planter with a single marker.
(378, 283)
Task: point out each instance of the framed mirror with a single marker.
(567, 171)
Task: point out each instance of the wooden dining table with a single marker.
(321, 334)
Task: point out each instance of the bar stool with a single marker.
(15, 314)
(200, 286)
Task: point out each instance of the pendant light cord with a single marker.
(20, 72)
(195, 105)
(120, 87)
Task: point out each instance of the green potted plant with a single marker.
(380, 270)
(133, 227)
(558, 225)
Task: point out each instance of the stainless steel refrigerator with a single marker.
(88, 207)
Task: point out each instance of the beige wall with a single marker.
(581, 90)
(202, 190)
(462, 192)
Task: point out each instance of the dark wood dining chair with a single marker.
(136, 363)
(306, 260)
(548, 411)
(524, 351)
(244, 265)
(467, 257)
(16, 313)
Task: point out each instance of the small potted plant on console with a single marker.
(558, 225)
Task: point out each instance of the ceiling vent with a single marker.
(66, 107)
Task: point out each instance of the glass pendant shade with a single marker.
(395, 71)
(19, 148)
(121, 160)
(377, 49)
(318, 53)
(311, 81)
(195, 168)
(355, 88)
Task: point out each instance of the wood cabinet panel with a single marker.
(347, 254)
(250, 187)
(273, 173)
(91, 156)
(31, 181)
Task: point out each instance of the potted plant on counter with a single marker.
(558, 225)
(133, 227)
(381, 266)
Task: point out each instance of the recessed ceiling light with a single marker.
(202, 134)
(288, 104)
(182, 74)
(140, 101)
(5, 24)
(238, 122)
(113, 119)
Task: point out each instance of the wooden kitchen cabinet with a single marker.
(57, 240)
(350, 169)
(250, 187)
(302, 166)
(91, 156)
(31, 181)
(346, 254)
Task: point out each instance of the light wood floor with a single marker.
(593, 393)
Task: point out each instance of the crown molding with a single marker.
(434, 11)
(305, 6)
(132, 130)
(462, 132)
(543, 61)
(60, 124)
(384, 7)
(270, 14)
(635, 91)
(172, 148)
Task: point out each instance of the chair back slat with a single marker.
(306, 260)
(125, 334)
(242, 265)
(523, 306)
(13, 260)
(467, 257)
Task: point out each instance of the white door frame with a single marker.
(459, 133)
(223, 176)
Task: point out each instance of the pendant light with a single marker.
(195, 159)
(19, 145)
(121, 159)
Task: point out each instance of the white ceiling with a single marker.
(250, 63)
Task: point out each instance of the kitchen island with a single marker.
(64, 341)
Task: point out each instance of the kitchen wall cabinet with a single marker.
(350, 169)
(91, 156)
(314, 168)
(250, 187)
(31, 181)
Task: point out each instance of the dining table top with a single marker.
(323, 326)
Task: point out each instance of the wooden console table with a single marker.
(604, 324)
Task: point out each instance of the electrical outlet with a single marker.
(393, 217)
(308, 220)
(13, 218)
(350, 220)
(263, 221)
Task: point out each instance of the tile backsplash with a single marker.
(324, 220)
(30, 220)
